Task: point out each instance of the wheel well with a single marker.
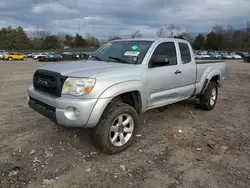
(132, 98)
(215, 79)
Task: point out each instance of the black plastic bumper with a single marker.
(43, 109)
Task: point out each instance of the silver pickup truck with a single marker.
(119, 81)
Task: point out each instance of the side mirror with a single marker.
(159, 60)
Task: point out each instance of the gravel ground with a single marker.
(179, 147)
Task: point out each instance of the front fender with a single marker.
(111, 92)
(123, 87)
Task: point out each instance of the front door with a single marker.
(163, 81)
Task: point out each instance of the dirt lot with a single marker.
(213, 149)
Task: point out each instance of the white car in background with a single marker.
(235, 56)
(2, 53)
(217, 56)
(227, 56)
(203, 56)
(37, 56)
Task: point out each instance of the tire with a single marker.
(10, 58)
(208, 99)
(102, 133)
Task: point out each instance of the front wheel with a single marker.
(10, 58)
(209, 98)
(117, 128)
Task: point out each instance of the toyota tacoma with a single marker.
(120, 81)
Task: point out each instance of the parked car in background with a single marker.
(243, 54)
(30, 55)
(226, 56)
(214, 55)
(217, 55)
(2, 53)
(54, 56)
(211, 55)
(247, 57)
(69, 56)
(58, 56)
(39, 55)
(196, 56)
(13, 56)
(203, 56)
(235, 56)
(25, 55)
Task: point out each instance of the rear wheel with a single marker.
(117, 128)
(209, 98)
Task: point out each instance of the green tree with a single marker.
(51, 42)
(238, 39)
(69, 41)
(21, 39)
(92, 41)
(80, 41)
(199, 42)
(212, 42)
(37, 43)
(10, 38)
(220, 41)
(247, 38)
(4, 39)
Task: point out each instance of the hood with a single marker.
(85, 68)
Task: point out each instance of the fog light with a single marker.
(77, 112)
(72, 113)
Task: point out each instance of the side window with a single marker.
(185, 53)
(167, 48)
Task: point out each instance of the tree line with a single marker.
(220, 38)
(17, 39)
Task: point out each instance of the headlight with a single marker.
(78, 86)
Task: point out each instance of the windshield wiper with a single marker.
(99, 59)
(119, 59)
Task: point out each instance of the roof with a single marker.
(152, 39)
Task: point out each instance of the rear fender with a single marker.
(207, 79)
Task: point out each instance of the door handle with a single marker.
(177, 72)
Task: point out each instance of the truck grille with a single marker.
(48, 82)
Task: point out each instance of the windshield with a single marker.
(131, 52)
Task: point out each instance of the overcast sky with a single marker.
(104, 18)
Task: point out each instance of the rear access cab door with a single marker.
(175, 81)
(188, 69)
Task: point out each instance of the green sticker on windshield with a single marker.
(134, 47)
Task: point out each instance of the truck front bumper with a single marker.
(70, 112)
